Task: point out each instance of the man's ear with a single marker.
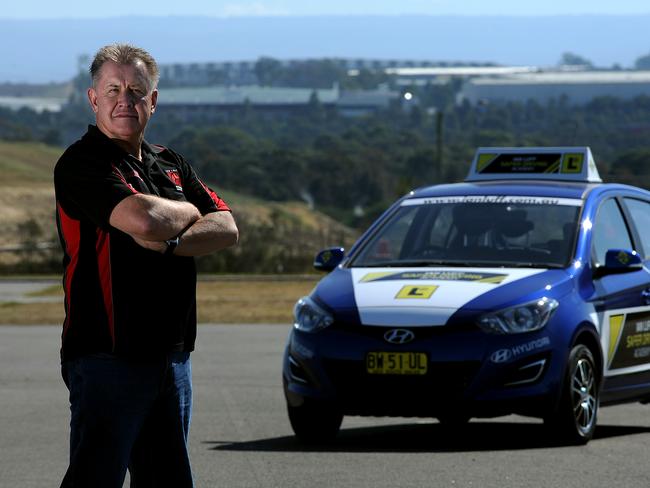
(154, 99)
(92, 98)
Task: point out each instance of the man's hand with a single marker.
(212, 232)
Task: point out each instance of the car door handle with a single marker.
(645, 295)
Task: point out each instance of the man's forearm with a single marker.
(210, 233)
(153, 218)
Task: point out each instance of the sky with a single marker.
(46, 9)
(509, 32)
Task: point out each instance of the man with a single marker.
(131, 216)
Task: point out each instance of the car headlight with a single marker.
(522, 318)
(308, 316)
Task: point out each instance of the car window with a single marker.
(609, 231)
(476, 231)
(387, 247)
(640, 214)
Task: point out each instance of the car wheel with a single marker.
(575, 420)
(314, 421)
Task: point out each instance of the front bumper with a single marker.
(468, 371)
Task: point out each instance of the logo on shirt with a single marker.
(175, 178)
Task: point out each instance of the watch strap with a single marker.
(172, 244)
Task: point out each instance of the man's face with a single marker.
(123, 100)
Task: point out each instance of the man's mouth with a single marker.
(125, 116)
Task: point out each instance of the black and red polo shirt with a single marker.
(119, 297)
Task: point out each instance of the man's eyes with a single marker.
(136, 91)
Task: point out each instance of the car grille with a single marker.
(361, 393)
(377, 332)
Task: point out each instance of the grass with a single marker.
(31, 313)
(249, 301)
(27, 162)
(49, 291)
(226, 302)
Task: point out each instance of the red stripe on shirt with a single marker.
(221, 205)
(121, 177)
(103, 248)
(71, 236)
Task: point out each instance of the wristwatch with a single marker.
(172, 244)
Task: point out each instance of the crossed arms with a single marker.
(151, 220)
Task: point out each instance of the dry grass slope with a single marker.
(27, 163)
(26, 188)
(26, 193)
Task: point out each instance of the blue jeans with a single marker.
(129, 414)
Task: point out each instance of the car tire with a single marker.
(315, 422)
(575, 420)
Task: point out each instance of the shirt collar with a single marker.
(97, 136)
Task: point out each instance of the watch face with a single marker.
(171, 245)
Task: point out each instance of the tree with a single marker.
(643, 62)
(631, 167)
(322, 73)
(268, 71)
(572, 59)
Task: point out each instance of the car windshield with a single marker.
(475, 231)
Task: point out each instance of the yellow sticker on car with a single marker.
(416, 291)
(434, 275)
(572, 163)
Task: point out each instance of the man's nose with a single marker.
(126, 98)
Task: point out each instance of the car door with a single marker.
(623, 304)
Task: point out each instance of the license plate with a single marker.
(396, 363)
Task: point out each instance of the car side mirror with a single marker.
(328, 259)
(620, 261)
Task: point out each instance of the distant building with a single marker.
(422, 75)
(216, 102)
(243, 72)
(37, 104)
(578, 87)
(356, 103)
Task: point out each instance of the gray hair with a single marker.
(124, 54)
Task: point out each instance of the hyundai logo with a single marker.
(501, 356)
(399, 336)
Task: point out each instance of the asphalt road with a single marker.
(19, 290)
(241, 438)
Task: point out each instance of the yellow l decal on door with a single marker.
(416, 291)
(615, 326)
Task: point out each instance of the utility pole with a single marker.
(440, 116)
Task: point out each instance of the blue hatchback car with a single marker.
(522, 290)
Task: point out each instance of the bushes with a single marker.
(280, 245)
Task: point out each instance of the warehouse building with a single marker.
(579, 87)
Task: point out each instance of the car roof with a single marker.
(551, 172)
(509, 187)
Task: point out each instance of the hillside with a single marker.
(26, 192)
(27, 163)
(27, 207)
